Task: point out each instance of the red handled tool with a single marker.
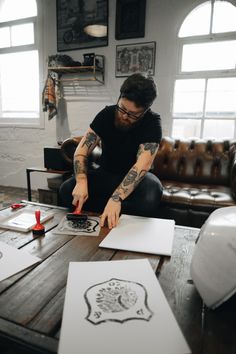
(17, 206)
(76, 216)
(38, 229)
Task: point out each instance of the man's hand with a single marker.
(111, 213)
(80, 193)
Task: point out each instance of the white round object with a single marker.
(213, 266)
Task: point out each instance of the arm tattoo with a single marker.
(129, 183)
(80, 167)
(90, 140)
(140, 150)
(140, 177)
(130, 177)
(151, 147)
(147, 147)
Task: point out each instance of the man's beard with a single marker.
(123, 125)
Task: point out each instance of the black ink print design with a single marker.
(117, 300)
(88, 226)
(1, 254)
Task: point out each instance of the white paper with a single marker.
(117, 307)
(88, 228)
(23, 220)
(13, 260)
(141, 234)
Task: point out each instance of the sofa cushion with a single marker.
(199, 196)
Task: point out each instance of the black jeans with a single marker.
(143, 201)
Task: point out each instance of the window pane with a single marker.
(4, 37)
(185, 128)
(209, 56)
(218, 129)
(221, 98)
(19, 83)
(22, 34)
(188, 98)
(224, 19)
(197, 22)
(15, 9)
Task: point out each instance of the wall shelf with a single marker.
(94, 72)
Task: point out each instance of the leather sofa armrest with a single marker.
(69, 146)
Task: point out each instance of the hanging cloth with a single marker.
(49, 96)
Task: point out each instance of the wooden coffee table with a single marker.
(31, 302)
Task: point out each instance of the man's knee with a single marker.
(151, 194)
(65, 192)
(146, 198)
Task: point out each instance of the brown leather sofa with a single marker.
(198, 176)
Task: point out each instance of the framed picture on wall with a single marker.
(130, 18)
(81, 24)
(135, 58)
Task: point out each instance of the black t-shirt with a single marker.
(119, 148)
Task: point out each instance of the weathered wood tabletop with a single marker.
(31, 302)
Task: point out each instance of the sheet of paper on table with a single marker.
(118, 307)
(141, 234)
(13, 260)
(23, 220)
(88, 228)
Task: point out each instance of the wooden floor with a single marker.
(9, 195)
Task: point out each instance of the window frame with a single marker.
(38, 32)
(205, 74)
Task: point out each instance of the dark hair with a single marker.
(139, 89)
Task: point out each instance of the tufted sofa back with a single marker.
(195, 160)
(191, 160)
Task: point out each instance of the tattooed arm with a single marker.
(145, 157)
(84, 149)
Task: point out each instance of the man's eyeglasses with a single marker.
(130, 115)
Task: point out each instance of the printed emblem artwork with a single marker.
(90, 227)
(117, 300)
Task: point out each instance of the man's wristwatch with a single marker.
(116, 198)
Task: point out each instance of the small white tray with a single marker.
(23, 220)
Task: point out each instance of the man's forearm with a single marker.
(129, 183)
(80, 166)
(85, 147)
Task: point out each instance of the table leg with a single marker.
(28, 184)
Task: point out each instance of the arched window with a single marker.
(19, 63)
(204, 99)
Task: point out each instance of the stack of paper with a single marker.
(23, 220)
(141, 234)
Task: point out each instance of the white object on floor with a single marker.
(141, 234)
(117, 307)
(13, 260)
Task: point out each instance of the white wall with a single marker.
(21, 147)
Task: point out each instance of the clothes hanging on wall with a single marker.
(50, 95)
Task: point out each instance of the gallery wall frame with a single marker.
(130, 19)
(135, 58)
(73, 17)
